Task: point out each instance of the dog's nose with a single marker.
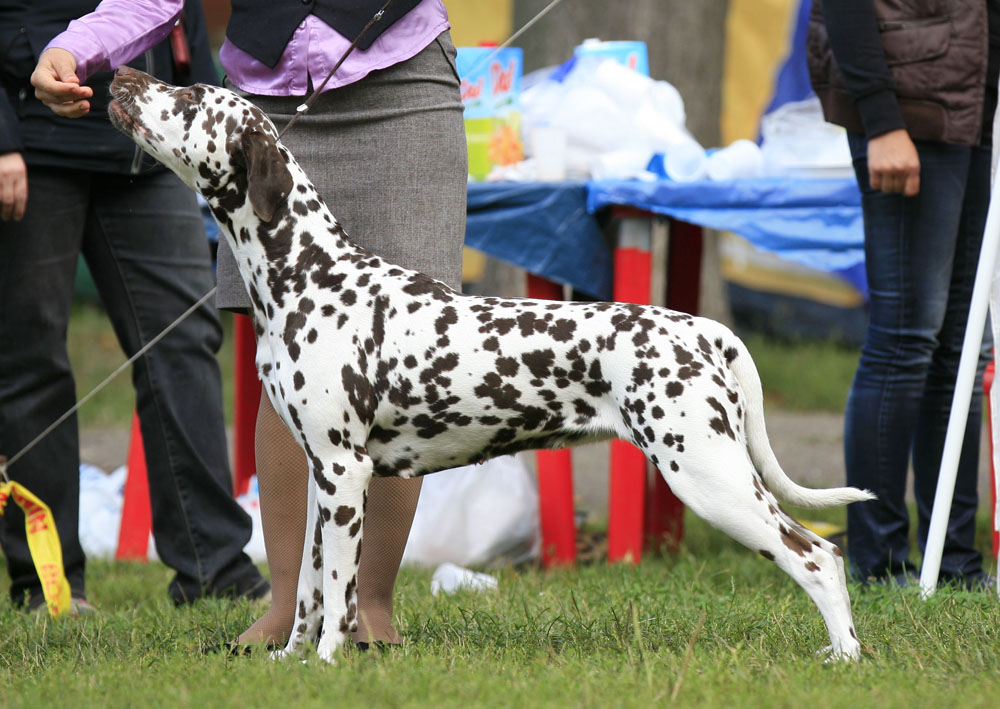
(124, 71)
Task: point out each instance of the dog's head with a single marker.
(218, 143)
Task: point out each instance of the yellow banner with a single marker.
(43, 543)
(757, 37)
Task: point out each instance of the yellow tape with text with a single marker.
(43, 543)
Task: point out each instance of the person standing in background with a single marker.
(915, 85)
(80, 187)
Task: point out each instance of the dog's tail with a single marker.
(759, 446)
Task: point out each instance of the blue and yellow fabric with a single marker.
(765, 67)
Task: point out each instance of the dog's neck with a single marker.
(302, 241)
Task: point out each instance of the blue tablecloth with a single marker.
(551, 229)
(544, 228)
(815, 222)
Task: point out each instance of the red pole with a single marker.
(627, 492)
(246, 399)
(555, 507)
(555, 474)
(664, 512)
(987, 385)
(137, 514)
(664, 516)
(684, 264)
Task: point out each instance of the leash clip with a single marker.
(300, 110)
(3, 469)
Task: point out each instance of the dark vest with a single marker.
(937, 54)
(262, 28)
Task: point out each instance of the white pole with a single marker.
(995, 398)
(995, 415)
(963, 395)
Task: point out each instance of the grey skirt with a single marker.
(388, 155)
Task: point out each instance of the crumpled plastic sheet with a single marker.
(814, 222)
(480, 515)
(101, 502)
(544, 228)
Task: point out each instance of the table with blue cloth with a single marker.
(552, 229)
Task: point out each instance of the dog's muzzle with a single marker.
(127, 84)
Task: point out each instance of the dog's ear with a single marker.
(268, 180)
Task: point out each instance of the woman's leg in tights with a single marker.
(282, 475)
(282, 478)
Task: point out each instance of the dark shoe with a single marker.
(253, 587)
(903, 579)
(78, 605)
(259, 593)
(380, 645)
(977, 581)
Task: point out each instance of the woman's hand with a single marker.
(57, 85)
(893, 164)
(13, 187)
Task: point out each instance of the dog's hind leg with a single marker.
(834, 551)
(719, 484)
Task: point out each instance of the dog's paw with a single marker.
(327, 653)
(845, 654)
(279, 655)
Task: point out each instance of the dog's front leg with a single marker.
(309, 599)
(341, 519)
(327, 587)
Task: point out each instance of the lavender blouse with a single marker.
(120, 30)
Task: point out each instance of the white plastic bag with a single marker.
(449, 578)
(796, 140)
(250, 502)
(100, 510)
(101, 503)
(477, 515)
(607, 112)
(739, 159)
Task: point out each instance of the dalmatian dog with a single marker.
(379, 370)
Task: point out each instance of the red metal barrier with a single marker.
(988, 376)
(627, 489)
(137, 513)
(246, 399)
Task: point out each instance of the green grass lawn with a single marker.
(714, 625)
(803, 376)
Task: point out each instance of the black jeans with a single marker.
(144, 242)
(921, 255)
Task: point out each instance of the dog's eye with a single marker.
(188, 96)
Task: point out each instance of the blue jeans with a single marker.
(144, 242)
(921, 254)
